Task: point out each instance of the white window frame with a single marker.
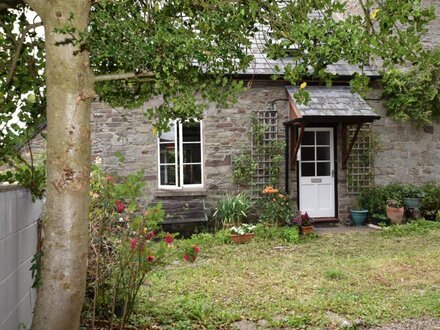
(178, 148)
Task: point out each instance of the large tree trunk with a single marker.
(69, 92)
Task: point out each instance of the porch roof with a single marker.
(335, 104)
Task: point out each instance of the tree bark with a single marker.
(65, 228)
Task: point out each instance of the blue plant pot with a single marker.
(359, 217)
(413, 203)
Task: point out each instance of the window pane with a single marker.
(169, 135)
(323, 169)
(307, 153)
(323, 138)
(192, 174)
(307, 169)
(191, 131)
(191, 153)
(308, 138)
(323, 153)
(167, 175)
(167, 153)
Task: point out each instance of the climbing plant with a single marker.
(259, 165)
(414, 95)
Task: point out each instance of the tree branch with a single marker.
(18, 50)
(127, 75)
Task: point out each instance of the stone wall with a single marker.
(432, 38)
(225, 133)
(18, 243)
(407, 154)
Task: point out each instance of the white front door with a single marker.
(316, 173)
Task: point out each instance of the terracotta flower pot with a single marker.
(305, 230)
(240, 239)
(395, 214)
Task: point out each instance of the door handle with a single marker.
(333, 173)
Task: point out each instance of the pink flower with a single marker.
(109, 178)
(169, 239)
(151, 258)
(196, 249)
(133, 244)
(120, 207)
(150, 235)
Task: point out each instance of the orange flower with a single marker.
(269, 190)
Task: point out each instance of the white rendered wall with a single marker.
(18, 242)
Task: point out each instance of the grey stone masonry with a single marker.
(225, 134)
(432, 37)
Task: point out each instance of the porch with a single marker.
(318, 148)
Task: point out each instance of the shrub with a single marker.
(412, 191)
(125, 247)
(271, 233)
(431, 196)
(275, 207)
(375, 199)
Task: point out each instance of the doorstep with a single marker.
(327, 220)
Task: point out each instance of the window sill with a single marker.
(194, 192)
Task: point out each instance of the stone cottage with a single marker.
(336, 145)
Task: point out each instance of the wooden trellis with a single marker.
(360, 161)
(268, 120)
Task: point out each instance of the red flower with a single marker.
(196, 249)
(151, 258)
(133, 243)
(109, 178)
(120, 207)
(189, 257)
(150, 235)
(169, 239)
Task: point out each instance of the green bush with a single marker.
(272, 233)
(375, 199)
(126, 246)
(412, 191)
(209, 239)
(274, 207)
(431, 196)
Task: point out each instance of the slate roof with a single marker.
(335, 101)
(262, 65)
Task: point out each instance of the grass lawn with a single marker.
(377, 277)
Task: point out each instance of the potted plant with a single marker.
(395, 211)
(242, 234)
(413, 197)
(358, 215)
(304, 221)
(232, 209)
